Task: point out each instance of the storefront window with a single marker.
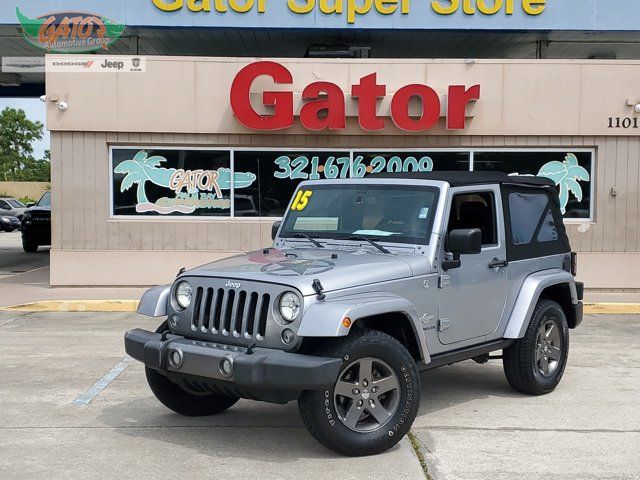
(365, 163)
(278, 173)
(163, 181)
(148, 182)
(570, 171)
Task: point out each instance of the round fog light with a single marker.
(173, 321)
(287, 336)
(226, 367)
(175, 358)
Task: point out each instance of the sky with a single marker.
(36, 111)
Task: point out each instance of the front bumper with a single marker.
(263, 368)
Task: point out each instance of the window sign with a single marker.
(174, 182)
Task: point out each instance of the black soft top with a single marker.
(462, 178)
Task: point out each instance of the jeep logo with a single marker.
(234, 285)
(111, 64)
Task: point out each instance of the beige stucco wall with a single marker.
(184, 102)
(191, 94)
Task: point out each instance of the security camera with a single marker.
(636, 108)
(43, 98)
(62, 106)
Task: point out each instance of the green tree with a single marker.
(36, 170)
(17, 134)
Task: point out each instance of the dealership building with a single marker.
(181, 141)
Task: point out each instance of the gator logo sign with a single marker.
(191, 189)
(69, 32)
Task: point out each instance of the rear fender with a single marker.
(529, 295)
(324, 318)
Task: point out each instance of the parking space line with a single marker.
(16, 273)
(103, 383)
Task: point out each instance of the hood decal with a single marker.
(297, 267)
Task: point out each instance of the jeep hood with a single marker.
(336, 269)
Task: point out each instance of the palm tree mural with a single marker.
(566, 175)
(142, 169)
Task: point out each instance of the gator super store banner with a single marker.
(600, 15)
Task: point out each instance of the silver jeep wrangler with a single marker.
(368, 282)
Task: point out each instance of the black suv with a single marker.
(36, 225)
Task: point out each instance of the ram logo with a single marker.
(234, 285)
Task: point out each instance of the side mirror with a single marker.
(464, 241)
(274, 229)
(31, 204)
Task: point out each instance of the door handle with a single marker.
(495, 263)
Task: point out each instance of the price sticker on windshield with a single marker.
(302, 200)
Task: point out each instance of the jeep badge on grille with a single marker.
(234, 285)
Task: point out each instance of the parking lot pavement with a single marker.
(49, 359)
(14, 260)
(475, 426)
(471, 424)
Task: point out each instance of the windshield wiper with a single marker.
(304, 235)
(371, 241)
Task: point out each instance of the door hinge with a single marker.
(443, 324)
(444, 281)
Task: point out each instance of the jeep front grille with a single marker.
(229, 312)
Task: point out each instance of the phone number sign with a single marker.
(315, 167)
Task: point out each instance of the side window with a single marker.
(530, 214)
(548, 231)
(4, 205)
(526, 210)
(475, 210)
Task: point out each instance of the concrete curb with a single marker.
(591, 308)
(612, 308)
(76, 306)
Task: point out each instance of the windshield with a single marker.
(45, 201)
(15, 203)
(392, 213)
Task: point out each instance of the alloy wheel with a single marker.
(548, 348)
(366, 395)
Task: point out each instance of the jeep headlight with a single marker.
(289, 306)
(183, 294)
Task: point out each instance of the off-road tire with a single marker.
(181, 401)
(519, 360)
(317, 407)
(29, 247)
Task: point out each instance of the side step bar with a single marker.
(467, 353)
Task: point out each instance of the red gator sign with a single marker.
(324, 103)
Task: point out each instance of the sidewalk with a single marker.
(33, 286)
